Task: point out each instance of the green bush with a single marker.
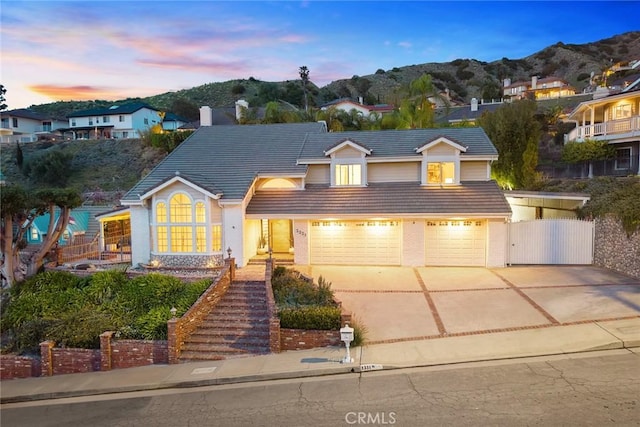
(310, 317)
(74, 311)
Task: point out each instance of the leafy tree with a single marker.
(19, 210)
(304, 77)
(3, 106)
(491, 89)
(51, 168)
(587, 152)
(515, 132)
(186, 109)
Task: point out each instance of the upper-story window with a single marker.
(105, 119)
(14, 122)
(441, 173)
(121, 119)
(181, 226)
(90, 120)
(348, 174)
(73, 122)
(622, 111)
(146, 121)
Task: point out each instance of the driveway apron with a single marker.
(405, 303)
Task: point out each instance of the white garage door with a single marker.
(456, 243)
(355, 242)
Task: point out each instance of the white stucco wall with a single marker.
(301, 241)
(413, 246)
(233, 234)
(497, 242)
(141, 238)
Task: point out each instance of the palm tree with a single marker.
(304, 76)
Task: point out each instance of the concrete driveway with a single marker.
(403, 303)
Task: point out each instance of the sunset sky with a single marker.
(81, 50)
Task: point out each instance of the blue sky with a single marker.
(116, 49)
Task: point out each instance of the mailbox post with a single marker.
(346, 335)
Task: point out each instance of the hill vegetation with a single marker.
(463, 78)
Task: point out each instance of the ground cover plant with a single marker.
(74, 311)
(302, 304)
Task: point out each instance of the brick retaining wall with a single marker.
(301, 339)
(18, 367)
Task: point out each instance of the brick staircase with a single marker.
(237, 326)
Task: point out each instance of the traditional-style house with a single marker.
(117, 121)
(398, 197)
(24, 125)
(615, 119)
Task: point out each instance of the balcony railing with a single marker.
(612, 128)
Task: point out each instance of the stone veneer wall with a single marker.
(188, 261)
(614, 250)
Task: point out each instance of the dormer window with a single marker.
(348, 174)
(441, 173)
(348, 163)
(441, 161)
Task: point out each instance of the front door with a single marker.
(280, 235)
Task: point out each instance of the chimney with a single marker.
(206, 116)
(241, 105)
(474, 104)
(534, 82)
(360, 100)
(506, 82)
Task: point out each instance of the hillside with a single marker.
(101, 170)
(464, 78)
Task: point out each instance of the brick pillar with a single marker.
(275, 346)
(232, 269)
(105, 350)
(172, 342)
(46, 358)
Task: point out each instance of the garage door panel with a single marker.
(455, 243)
(355, 242)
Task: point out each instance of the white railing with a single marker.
(597, 130)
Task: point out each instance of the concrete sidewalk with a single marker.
(552, 340)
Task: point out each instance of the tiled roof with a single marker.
(476, 198)
(26, 113)
(465, 113)
(393, 143)
(228, 158)
(129, 108)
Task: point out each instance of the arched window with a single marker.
(182, 226)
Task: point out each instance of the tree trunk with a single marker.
(8, 253)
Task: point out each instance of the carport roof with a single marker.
(474, 199)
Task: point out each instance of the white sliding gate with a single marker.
(551, 241)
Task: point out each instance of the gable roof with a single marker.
(228, 158)
(128, 108)
(26, 113)
(396, 143)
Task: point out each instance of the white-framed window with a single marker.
(14, 122)
(121, 119)
(146, 121)
(105, 119)
(623, 158)
(181, 226)
(622, 111)
(441, 173)
(348, 174)
(90, 121)
(73, 122)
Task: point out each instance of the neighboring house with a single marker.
(117, 121)
(24, 125)
(469, 114)
(397, 197)
(346, 105)
(538, 89)
(615, 119)
(225, 115)
(76, 229)
(173, 122)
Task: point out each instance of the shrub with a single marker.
(311, 317)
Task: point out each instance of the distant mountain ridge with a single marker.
(463, 78)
